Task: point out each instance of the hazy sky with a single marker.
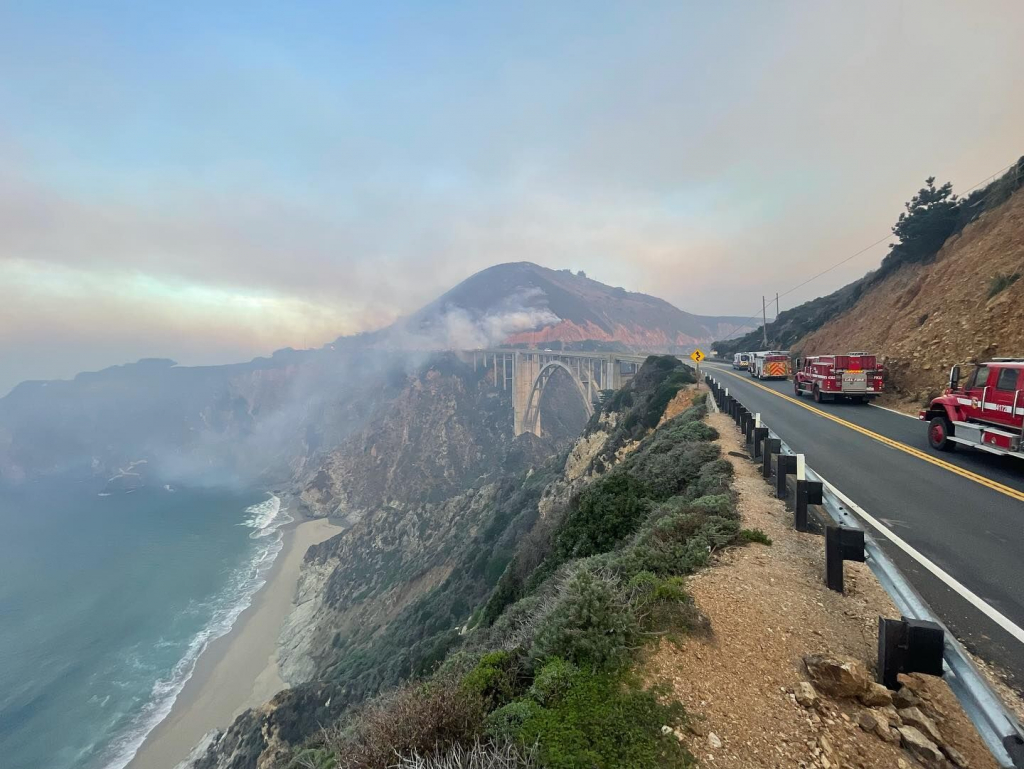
(210, 181)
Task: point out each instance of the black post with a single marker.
(749, 432)
(771, 446)
(908, 646)
(807, 493)
(784, 465)
(760, 433)
(842, 543)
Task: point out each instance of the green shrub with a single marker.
(552, 681)
(607, 510)
(754, 535)
(590, 624)
(506, 723)
(493, 679)
(1000, 282)
(604, 722)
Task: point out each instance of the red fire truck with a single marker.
(986, 413)
(856, 376)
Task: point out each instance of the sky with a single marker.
(212, 181)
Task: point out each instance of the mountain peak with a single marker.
(523, 303)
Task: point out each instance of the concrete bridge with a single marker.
(527, 372)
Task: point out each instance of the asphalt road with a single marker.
(964, 510)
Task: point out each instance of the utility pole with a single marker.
(764, 318)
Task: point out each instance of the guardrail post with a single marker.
(771, 446)
(807, 493)
(908, 646)
(784, 465)
(752, 420)
(760, 435)
(842, 543)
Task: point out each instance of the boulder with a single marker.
(838, 677)
(914, 717)
(920, 747)
(876, 696)
(905, 697)
(714, 740)
(805, 694)
(955, 756)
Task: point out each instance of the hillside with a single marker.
(524, 304)
(928, 232)
(925, 317)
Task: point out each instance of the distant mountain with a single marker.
(521, 303)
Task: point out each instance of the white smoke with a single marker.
(456, 328)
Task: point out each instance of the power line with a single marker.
(840, 263)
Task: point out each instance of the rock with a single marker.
(955, 756)
(919, 746)
(905, 698)
(666, 729)
(715, 742)
(838, 677)
(868, 721)
(914, 717)
(826, 745)
(876, 696)
(697, 728)
(805, 694)
(901, 764)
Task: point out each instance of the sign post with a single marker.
(697, 356)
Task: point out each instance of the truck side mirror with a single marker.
(954, 377)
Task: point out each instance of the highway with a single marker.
(963, 511)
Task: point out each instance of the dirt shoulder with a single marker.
(768, 608)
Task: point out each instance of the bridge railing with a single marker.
(903, 644)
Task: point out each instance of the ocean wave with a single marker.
(266, 518)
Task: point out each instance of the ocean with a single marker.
(106, 602)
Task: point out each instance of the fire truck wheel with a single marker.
(796, 388)
(817, 394)
(939, 430)
(859, 399)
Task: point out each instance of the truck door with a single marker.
(1004, 397)
(976, 393)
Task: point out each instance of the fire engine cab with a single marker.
(987, 412)
(856, 376)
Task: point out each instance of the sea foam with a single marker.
(265, 519)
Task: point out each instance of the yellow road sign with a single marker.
(697, 355)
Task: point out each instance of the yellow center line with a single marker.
(994, 485)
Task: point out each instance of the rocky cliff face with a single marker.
(926, 317)
(388, 598)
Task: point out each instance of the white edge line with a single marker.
(964, 592)
(894, 411)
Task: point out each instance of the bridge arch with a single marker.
(531, 416)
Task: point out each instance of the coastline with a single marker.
(238, 670)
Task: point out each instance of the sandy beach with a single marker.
(238, 670)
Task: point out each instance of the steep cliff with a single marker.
(416, 571)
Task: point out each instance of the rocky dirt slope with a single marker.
(759, 690)
(926, 317)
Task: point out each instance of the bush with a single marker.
(754, 535)
(494, 679)
(605, 722)
(417, 719)
(1001, 282)
(608, 510)
(590, 623)
(552, 681)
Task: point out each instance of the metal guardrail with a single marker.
(996, 725)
